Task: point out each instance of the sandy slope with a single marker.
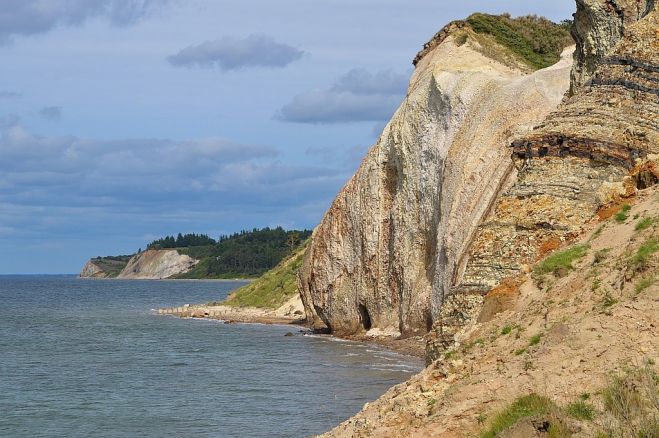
(592, 322)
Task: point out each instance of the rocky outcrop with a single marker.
(578, 160)
(92, 270)
(157, 264)
(104, 267)
(387, 252)
(598, 26)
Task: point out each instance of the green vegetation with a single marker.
(580, 410)
(531, 405)
(112, 265)
(631, 404)
(608, 300)
(506, 330)
(181, 241)
(644, 224)
(273, 288)
(535, 40)
(561, 261)
(623, 214)
(535, 340)
(247, 254)
(644, 283)
(639, 260)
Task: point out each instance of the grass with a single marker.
(580, 410)
(608, 300)
(631, 403)
(531, 405)
(644, 283)
(535, 340)
(535, 41)
(623, 214)
(644, 224)
(561, 261)
(506, 330)
(273, 288)
(639, 260)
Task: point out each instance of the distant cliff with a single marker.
(157, 264)
(391, 246)
(150, 264)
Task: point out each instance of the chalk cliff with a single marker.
(157, 264)
(388, 250)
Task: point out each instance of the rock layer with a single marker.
(577, 161)
(157, 264)
(397, 232)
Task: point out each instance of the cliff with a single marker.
(388, 250)
(574, 353)
(104, 267)
(157, 264)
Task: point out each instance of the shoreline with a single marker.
(247, 280)
(414, 347)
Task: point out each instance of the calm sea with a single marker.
(89, 358)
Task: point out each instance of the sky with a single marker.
(122, 121)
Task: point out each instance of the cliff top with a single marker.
(534, 41)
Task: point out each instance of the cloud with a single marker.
(29, 17)
(357, 96)
(233, 54)
(10, 95)
(52, 113)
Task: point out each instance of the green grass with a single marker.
(640, 259)
(623, 214)
(644, 283)
(580, 410)
(524, 407)
(535, 340)
(273, 288)
(644, 224)
(561, 260)
(608, 300)
(535, 41)
(506, 330)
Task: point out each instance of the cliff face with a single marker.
(598, 26)
(92, 270)
(387, 251)
(157, 264)
(594, 152)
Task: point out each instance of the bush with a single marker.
(639, 260)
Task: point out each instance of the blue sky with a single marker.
(125, 120)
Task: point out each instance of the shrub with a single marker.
(536, 41)
(580, 410)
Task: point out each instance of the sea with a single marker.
(92, 358)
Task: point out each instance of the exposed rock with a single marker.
(157, 264)
(91, 270)
(598, 26)
(396, 234)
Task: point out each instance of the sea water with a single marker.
(91, 358)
